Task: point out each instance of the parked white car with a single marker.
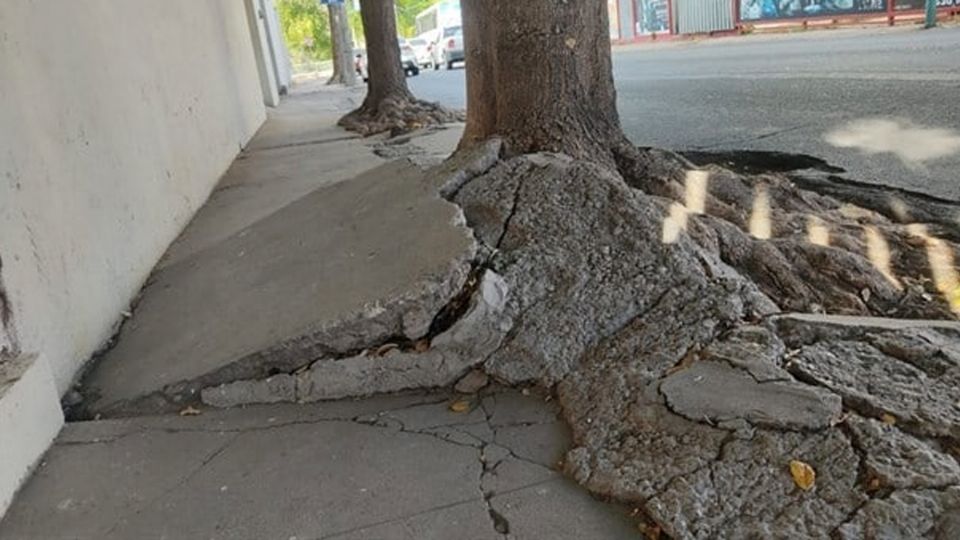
(448, 48)
(421, 48)
(408, 58)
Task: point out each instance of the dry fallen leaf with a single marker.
(803, 475)
(459, 406)
(888, 419)
(190, 411)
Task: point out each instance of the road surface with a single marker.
(884, 104)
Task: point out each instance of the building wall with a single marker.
(116, 120)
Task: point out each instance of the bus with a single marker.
(432, 20)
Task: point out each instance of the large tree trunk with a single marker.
(387, 78)
(343, 70)
(539, 76)
(389, 105)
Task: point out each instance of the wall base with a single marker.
(30, 418)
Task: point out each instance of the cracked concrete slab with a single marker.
(523, 509)
(897, 460)
(445, 358)
(375, 468)
(466, 521)
(721, 393)
(348, 265)
(259, 183)
(297, 150)
(932, 513)
(875, 383)
(308, 115)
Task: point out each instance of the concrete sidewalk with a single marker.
(288, 263)
(391, 467)
(308, 229)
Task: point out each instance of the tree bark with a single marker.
(343, 69)
(539, 75)
(479, 41)
(387, 78)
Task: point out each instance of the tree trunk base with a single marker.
(398, 114)
(713, 339)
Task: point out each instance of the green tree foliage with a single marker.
(407, 11)
(306, 26)
(306, 29)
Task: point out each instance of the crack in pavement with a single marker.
(318, 142)
(182, 482)
(397, 519)
(379, 420)
(499, 523)
(760, 137)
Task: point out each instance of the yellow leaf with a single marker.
(190, 411)
(888, 419)
(803, 475)
(460, 406)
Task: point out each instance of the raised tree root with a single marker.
(687, 394)
(398, 114)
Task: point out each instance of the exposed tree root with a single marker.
(653, 311)
(398, 114)
(807, 251)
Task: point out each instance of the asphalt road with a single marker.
(884, 104)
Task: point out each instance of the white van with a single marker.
(438, 26)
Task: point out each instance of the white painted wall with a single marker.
(259, 29)
(281, 55)
(30, 418)
(116, 120)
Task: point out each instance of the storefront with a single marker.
(635, 20)
(755, 10)
(651, 17)
(639, 19)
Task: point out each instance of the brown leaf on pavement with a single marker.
(459, 406)
(803, 475)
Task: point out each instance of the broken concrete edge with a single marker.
(806, 328)
(267, 376)
(30, 418)
(358, 373)
(451, 354)
(369, 328)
